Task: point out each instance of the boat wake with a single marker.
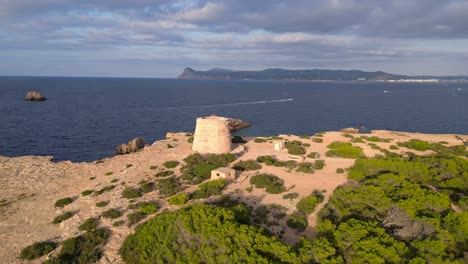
(234, 104)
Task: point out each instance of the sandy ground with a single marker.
(30, 186)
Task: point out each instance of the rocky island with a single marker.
(331, 197)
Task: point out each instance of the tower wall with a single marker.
(212, 135)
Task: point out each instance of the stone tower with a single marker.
(212, 135)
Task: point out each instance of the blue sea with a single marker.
(85, 118)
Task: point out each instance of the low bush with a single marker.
(179, 199)
(114, 180)
(343, 150)
(105, 189)
(317, 140)
(60, 218)
(260, 140)
(313, 155)
(416, 144)
(304, 136)
(358, 140)
(129, 165)
(169, 146)
(306, 145)
(340, 170)
(118, 223)
(87, 192)
(348, 135)
(271, 183)
(86, 248)
(291, 196)
(147, 187)
(268, 160)
(394, 147)
(37, 250)
(102, 204)
(171, 164)
(297, 221)
(238, 140)
(131, 193)
(111, 213)
(209, 188)
(319, 164)
(164, 173)
(153, 167)
(168, 186)
(89, 224)
(135, 217)
(109, 173)
(305, 167)
(63, 202)
(375, 139)
(307, 204)
(247, 165)
(149, 208)
(295, 148)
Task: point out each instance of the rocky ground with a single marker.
(30, 186)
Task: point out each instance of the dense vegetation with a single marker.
(247, 165)
(209, 188)
(343, 150)
(37, 250)
(295, 147)
(198, 167)
(198, 234)
(271, 183)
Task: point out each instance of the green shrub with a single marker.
(271, 183)
(129, 165)
(114, 180)
(153, 167)
(131, 193)
(307, 204)
(306, 145)
(198, 168)
(343, 150)
(276, 138)
(118, 223)
(358, 140)
(209, 188)
(238, 140)
(249, 189)
(109, 173)
(89, 224)
(147, 187)
(63, 202)
(164, 173)
(260, 140)
(37, 250)
(304, 136)
(291, 196)
(85, 248)
(203, 170)
(102, 204)
(297, 221)
(375, 139)
(319, 164)
(340, 170)
(105, 189)
(111, 213)
(190, 139)
(317, 140)
(247, 165)
(348, 135)
(295, 148)
(394, 147)
(149, 208)
(135, 217)
(169, 146)
(60, 218)
(171, 164)
(305, 167)
(179, 199)
(87, 192)
(313, 155)
(168, 186)
(416, 144)
(268, 160)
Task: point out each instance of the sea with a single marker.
(84, 119)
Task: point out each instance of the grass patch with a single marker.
(247, 165)
(111, 213)
(89, 224)
(86, 192)
(171, 164)
(37, 250)
(179, 199)
(271, 183)
(102, 204)
(131, 193)
(63, 202)
(60, 218)
(343, 150)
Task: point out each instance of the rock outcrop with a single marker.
(34, 96)
(134, 145)
(237, 124)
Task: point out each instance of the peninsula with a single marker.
(311, 75)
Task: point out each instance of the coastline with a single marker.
(31, 184)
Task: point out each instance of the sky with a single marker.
(159, 38)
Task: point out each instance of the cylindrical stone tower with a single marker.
(212, 135)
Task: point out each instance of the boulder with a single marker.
(237, 124)
(350, 130)
(134, 145)
(34, 96)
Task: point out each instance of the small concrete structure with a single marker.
(279, 145)
(223, 173)
(212, 135)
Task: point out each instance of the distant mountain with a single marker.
(315, 74)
